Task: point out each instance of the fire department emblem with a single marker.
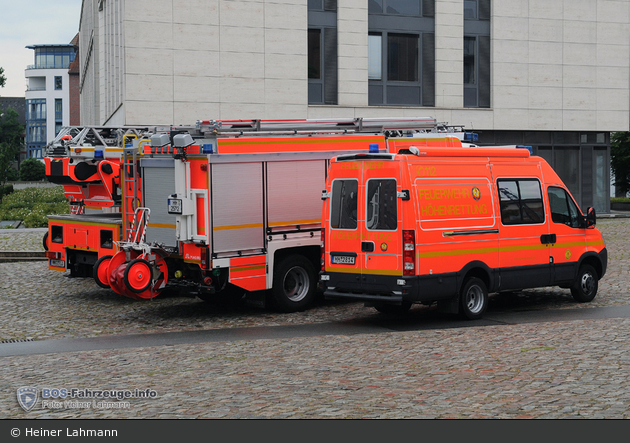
(383, 247)
(27, 397)
(476, 193)
(567, 254)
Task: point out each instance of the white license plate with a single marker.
(57, 263)
(174, 205)
(342, 260)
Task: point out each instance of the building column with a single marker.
(449, 54)
(352, 37)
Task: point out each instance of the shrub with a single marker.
(32, 205)
(32, 169)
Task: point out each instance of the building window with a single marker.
(322, 52)
(477, 53)
(402, 57)
(58, 115)
(314, 54)
(375, 57)
(58, 83)
(401, 52)
(36, 109)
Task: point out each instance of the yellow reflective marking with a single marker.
(295, 222)
(226, 228)
(161, 225)
(248, 268)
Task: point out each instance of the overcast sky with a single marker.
(32, 22)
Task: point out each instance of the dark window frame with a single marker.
(527, 213)
(341, 209)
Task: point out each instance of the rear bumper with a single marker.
(387, 288)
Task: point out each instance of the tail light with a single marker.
(52, 254)
(409, 252)
(323, 260)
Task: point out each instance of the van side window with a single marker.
(381, 212)
(521, 201)
(563, 209)
(344, 204)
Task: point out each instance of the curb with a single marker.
(16, 256)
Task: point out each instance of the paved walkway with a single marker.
(566, 369)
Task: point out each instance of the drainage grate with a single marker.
(19, 340)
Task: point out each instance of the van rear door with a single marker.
(381, 236)
(343, 236)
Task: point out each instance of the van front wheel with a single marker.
(293, 284)
(584, 289)
(473, 299)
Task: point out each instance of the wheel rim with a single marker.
(474, 299)
(296, 284)
(138, 276)
(587, 284)
(102, 271)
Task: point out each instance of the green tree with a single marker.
(32, 170)
(3, 79)
(620, 160)
(10, 142)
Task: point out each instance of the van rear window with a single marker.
(521, 201)
(381, 210)
(343, 204)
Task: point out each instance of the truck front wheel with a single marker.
(584, 289)
(293, 284)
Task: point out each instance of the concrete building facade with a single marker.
(552, 74)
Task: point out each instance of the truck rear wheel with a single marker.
(473, 299)
(293, 284)
(584, 289)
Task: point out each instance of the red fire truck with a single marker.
(218, 209)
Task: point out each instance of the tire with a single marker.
(473, 299)
(99, 271)
(294, 282)
(137, 277)
(584, 289)
(386, 308)
(45, 241)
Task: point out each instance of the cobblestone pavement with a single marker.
(572, 369)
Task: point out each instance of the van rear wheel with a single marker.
(584, 288)
(473, 299)
(293, 284)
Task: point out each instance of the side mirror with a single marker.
(591, 217)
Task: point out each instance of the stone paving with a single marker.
(572, 369)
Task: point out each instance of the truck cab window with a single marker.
(344, 204)
(563, 209)
(382, 212)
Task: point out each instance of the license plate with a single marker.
(343, 259)
(174, 205)
(57, 263)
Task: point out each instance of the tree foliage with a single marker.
(10, 142)
(32, 170)
(3, 79)
(620, 160)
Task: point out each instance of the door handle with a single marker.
(367, 246)
(546, 239)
